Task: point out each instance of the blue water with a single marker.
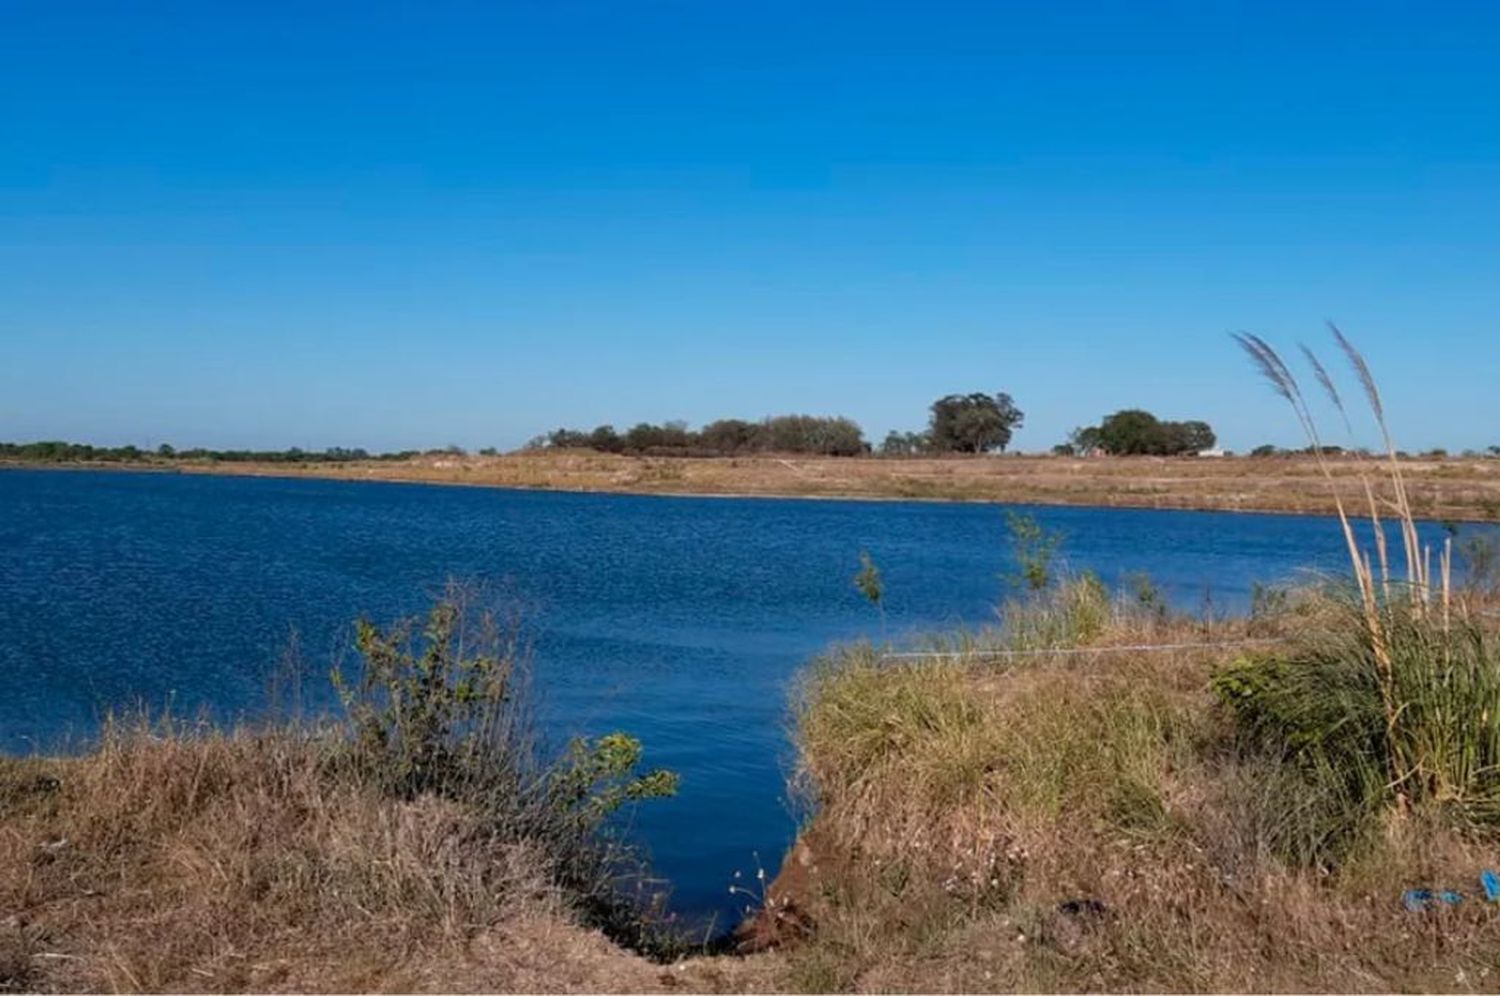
(677, 619)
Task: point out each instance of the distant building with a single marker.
(1215, 452)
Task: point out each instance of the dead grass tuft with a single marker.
(233, 862)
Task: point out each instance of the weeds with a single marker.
(1034, 549)
(869, 584)
(1074, 614)
(1480, 555)
(368, 850)
(965, 807)
(444, 709)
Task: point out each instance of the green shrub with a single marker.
(1034, 548)
(443, 709)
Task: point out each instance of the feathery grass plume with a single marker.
(1275, 370)
(1270, 365)
(1331, 389)
(1434, 673)
(1409, 539)
(1362, 369)
(1326, 381)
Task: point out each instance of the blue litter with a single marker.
(1491, 884)
(1420, 900)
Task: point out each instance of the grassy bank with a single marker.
(1039, 806)
(1458, 489)
(419, 839)
(1100, 796)
(1190, 819)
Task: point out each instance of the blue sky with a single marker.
(408, 225)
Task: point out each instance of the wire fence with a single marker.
(1133, 648)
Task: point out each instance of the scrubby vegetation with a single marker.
(1099, 795)
(958, 423)
(384, 850)
(1030, 809)
(56, 451)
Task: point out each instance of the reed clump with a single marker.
(1393, 703)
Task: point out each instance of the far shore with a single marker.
(1453, 489)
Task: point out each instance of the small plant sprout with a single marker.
(867, 580)
(1034, 549)
(756, 894)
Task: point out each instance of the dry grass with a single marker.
(963, 802)
(1456, 489)
(208, 862)
(418, 842)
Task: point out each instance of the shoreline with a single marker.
(1282, 486)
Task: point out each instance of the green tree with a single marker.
(904, 443)
(730, 435)
(973, 423)
(1135, 432)
(605, 439)
(813, 434)
(1198, 436)
(1130, 432)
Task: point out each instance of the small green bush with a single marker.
(442, 708)
(1034, 549)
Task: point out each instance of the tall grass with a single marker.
(1397, 697)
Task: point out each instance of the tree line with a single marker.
(57, 451)
(807, 434)
(973, 423)
(957, 423)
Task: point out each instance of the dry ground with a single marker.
(1457, 489)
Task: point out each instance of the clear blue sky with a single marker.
(405, 225)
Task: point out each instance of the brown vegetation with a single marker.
(195, 862)
(1099, 823)
(1456, 489)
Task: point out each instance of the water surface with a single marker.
(677, 619)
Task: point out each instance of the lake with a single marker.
(680, 620)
